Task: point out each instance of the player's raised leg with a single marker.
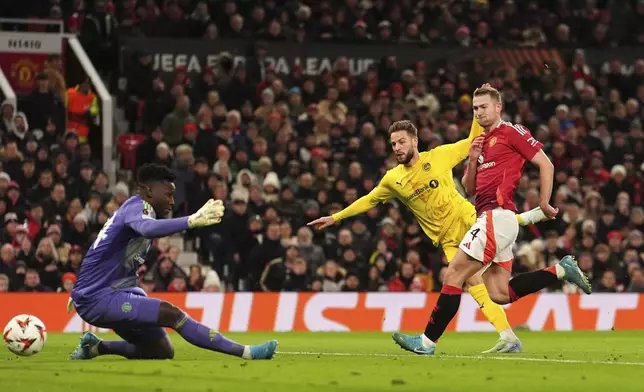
(504, 290)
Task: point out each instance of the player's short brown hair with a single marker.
(488, 90)
(403, 125)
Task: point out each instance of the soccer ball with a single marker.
(25, 335)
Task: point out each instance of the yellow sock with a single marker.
(492, 311)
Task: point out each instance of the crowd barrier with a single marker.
(345, 312)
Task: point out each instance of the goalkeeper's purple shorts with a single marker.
(129, 312)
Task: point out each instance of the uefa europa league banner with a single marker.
(316, 57)
(350, 312)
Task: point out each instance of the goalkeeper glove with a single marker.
(208, 215)
(531, 217)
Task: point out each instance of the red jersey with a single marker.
(505, 151)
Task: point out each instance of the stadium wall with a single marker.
(346, 312)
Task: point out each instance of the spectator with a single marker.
(636, 285)
(164, 272)
(68, 282)
(98, 33)
(54, 70)
(45, 108)
(4, 283)
(32, 283)
(212, 283)
(12, 160)
(196, 277)
(173, 124)
(312, 253)
(8, 258)
(82, 108)
(8, 110)
(269, 249)
(10, 227)
(285, 273)
(56, 204)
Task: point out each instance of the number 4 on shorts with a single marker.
(474, 233)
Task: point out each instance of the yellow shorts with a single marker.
(457, 231)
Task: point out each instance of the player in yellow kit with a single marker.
(423, 181)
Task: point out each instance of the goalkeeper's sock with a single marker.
(444, 311)
(209, 339)
(492, 311)
(531, 282)
(118, 347)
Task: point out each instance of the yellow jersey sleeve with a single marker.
(380, 194)
(453, 154)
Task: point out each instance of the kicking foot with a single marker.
(505, 346)
(88, 347)
(574, 275)
(264, 351)
(412, 344)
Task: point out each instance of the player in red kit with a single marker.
(496, 164)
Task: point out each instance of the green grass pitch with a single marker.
(562, 361)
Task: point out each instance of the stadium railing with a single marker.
(7, 90)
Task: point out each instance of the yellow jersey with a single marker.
(427, 188)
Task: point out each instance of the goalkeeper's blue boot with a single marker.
(264, 351)
(413, 344)
(574, 275)
(88, 347)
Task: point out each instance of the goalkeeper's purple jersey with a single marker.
(121, 247)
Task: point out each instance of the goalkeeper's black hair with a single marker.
(152, 172)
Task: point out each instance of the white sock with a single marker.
(246, 354)
(531, 217)
(426, 342)
(560, 271)
(508, 335)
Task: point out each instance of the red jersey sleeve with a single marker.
(522, 141)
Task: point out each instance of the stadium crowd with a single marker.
(282, 150)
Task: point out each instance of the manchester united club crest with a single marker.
(493, 141)
(23, 73)
(427, 166)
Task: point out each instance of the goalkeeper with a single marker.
(106, 295)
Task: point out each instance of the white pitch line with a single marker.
(449, 356)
